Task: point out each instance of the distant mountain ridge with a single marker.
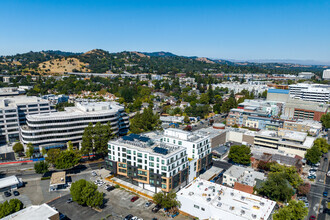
(161, 62)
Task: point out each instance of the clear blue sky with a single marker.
(232, 29)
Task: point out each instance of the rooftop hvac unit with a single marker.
(208, 199)
(262, 203)
(254, 216)
(191, 193)
(219, 204)
(232, 194)
(243, 212)
(242, 198)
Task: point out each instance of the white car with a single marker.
(328, 173)
(135, 218)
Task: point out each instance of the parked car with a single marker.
(69, 200)
(135, 218)
(148, 204)
(304, 198)
(16, 193)
(328, 173)
(311, 177)
(7, 194)
(156, 208)
(312, 217)
(325, 193)
(128, 217)
(110, 188)
(306, 204)
(134, 198)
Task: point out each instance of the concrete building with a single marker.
(12, 91)
(289, 142)
(273, 108)
(217, 134)
(243, 175)
(310, 126)
(299, 109)
(55, 99)
(172, 119)
(167, 160)
(40, 212)
(326, 74)
(9, 183)
(310, 92)
(206, 200)
(237, 87)
(55, 129)
(57, 181)
(13, 113)
(280, 95)
(306, 75)
(146, 163)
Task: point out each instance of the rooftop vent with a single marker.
(262, 203)
(191, 193)
(232, 207)
(219, 198)
(242, 198)
(208, 199)
(254, 216)
(219, 204)
(232, 194)
(243, 212)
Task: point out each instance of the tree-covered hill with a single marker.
(101, 61)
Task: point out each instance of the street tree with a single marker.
(41, 167)
(67, 159)
(86, 193)
(166, 200)
(29, 150)
(7, 208)
(87, 140)
(240, 154)
(294, 211)
(313, 155)
(304, 188)
(325, 119)
(52, 155)
(290, 173)
(18, 147)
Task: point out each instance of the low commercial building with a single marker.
(306, 75)
(310, 126)
(243, 175)
(55, 129)
(9, 183)
(326, 74)
(217, 134)
(40, 212)
(57, 181)
(206, 200)
(310, 92)
(13, 113)
(280, 95)
(290, 142)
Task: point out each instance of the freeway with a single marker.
(322, 183)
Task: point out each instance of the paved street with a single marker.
(315, 197)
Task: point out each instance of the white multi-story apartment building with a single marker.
(55, 129)
(151, 165)
(13, 112)
(187, 153)
(310, 92)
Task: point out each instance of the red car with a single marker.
(134, 198)
(312, 217)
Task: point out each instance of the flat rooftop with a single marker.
(91, 108)
(184, 135)
(22, 99)
(58, 178)
(245, 175)
(8, 181)
(233, 204)
(143, 143)
(40, 212)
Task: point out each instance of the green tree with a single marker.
(18, 147)
(166, 200)
(322, 144)
(29, 150)
(313, 155)
(294, 211)
(186, 119)
(290, 174)
(87, 140)
(276, 187)
(240, 154)
(86, 193)
(70, 146)
(325, 119)
(67, 159)
(52, 155)
(147, 121)
(41, 167)
(7, 208)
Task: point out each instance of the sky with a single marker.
(225, 29)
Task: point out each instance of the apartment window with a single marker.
(139, 160)
(118, 148)
(193, 145)
(173, 141)
(164, 186)
(129, 151)
(151, 164)
(164, 168)
(134, 152)
(145, 156)
(139, 154)
(157, 159)
(163, 161)
(168, 140)
(151, 158)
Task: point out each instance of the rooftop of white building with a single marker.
(42, 212)
(184, 135)
(245, 175)
(90, 108)
(145, 144)
(15, 100)
(227, 202)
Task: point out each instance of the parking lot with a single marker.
(117, 205)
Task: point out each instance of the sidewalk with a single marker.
(131, 187)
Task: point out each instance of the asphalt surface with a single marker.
(317, 202)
